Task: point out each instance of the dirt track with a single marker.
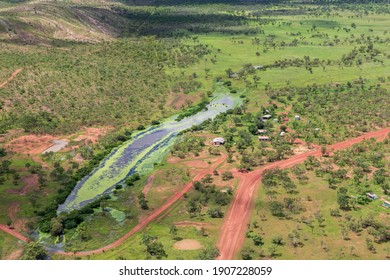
(148, 185)
(13, 233)
(154, 215)
(232, 234)
(11, 77)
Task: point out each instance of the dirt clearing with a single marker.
(188, 244)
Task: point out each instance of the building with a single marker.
(297, 118)
(386, 203)
(372, 196)
(266, 117)
(218, 141)
(282, 133)
(264, 138)
(261, 131)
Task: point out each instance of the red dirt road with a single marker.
(13, 233)
(232, 234)
(11, 77)
(148, 185)
(153, 216)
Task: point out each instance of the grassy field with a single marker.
(336, 236)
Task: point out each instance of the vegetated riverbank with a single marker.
(141, 152)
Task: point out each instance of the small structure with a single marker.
(258, 67)
(386, 204)
(266, 117)
(263, 138)
(282, 133)
(218, 141)
(261, 131)
(276, 120)
(372, 196)
(297, 118)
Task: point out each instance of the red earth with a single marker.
(148, 185)
(232, 233)
(13, 233)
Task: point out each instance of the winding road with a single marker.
(232, 233)
(14, 233)
(154, 215)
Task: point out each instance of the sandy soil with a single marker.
(232, 234)
(13, 75)
(188, 244)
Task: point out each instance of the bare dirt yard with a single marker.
(188, 244)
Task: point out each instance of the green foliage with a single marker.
(35, 251)
(142, 201)
(188, 144)
(227, 175)
(132, 179)
(208, 254)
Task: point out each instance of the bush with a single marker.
(215, 213)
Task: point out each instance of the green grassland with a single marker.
(117, 63)
(342, 236)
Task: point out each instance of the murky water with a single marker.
(139, 154)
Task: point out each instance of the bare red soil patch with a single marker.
(92, 134)
(181, 100)
(31, 144)
(188, 244)
(13, 75)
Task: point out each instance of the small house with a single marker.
(261, 131)
(282, 133)
(258, 67)
(297, 118)
(372, 196)
(218, 141)
(276, 120)
(386, 204)
(266, 117)
(263, 138)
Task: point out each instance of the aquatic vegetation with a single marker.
(141, 153)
